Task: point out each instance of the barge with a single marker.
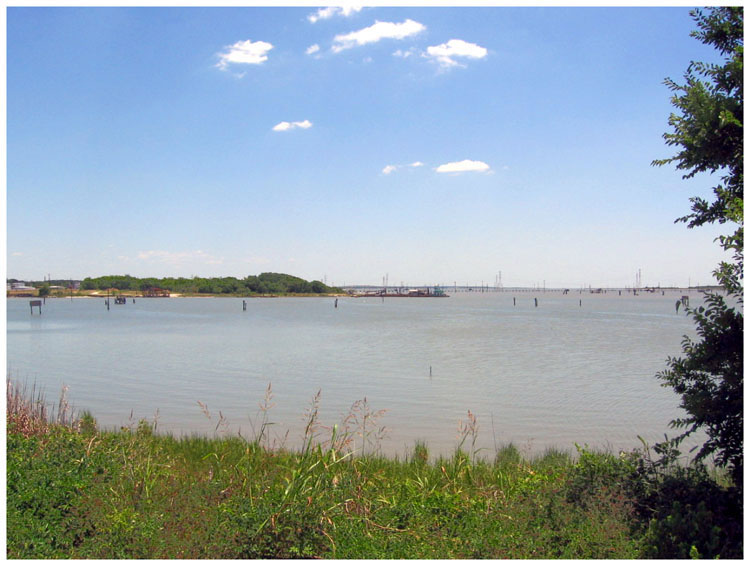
(434, 292)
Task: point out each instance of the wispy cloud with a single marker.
(388, 169)
(445, 54)
(244, 53)
(327, 13)
(17, 254)
(179, 258)
(405, 53)
(463, 167)
(312, 49)
(285, 126)
(376, 32)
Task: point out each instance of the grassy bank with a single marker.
(74, 491)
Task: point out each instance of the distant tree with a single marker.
(709, 134)
(265, 283)
(251, 283)
(228, 285)
(44, 290)
(318, 287)
(147, 283)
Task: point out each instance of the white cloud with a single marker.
(326, 13)
(312, 49)
(388, 169)
(463, 167)
(17, 254)
(445, 53)
(404, 54)
(285, 126)
(322, 14)
(245, 53)
(376, 32)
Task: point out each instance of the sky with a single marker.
(434, 145)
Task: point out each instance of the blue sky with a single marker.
(435, 145)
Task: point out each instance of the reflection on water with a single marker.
(556, 374)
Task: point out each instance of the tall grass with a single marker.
(28, 412)
(75, 491)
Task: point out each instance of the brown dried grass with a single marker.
(28, 413)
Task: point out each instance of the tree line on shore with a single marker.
(263, 284)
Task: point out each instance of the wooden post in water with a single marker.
(244, 305)
(514, 301)
(536, 302)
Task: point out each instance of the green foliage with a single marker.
(87, 423)
(709, 129)
(710, 380)
(136, 494)
(263, 284)
(687, 513)
(709, 133)
(46, 479)
(77, 492)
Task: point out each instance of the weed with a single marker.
(76, 492)
(364, 422)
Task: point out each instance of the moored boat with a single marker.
(434, 292)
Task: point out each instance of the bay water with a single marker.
(577, 368)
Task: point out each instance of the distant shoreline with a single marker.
(88, 294)
(133, 295)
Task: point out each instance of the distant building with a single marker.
(21, 286)
(155, 292)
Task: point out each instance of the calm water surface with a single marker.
(552, 375)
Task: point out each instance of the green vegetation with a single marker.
(709, 134)
(44, 290)
(74, 491)
(263, 284)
